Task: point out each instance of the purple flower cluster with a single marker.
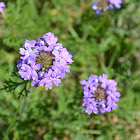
(104, 5)
(44, 62)
(2, 4)
(100, 94)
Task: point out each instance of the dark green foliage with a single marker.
(108, 43)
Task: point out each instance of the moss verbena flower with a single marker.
(44, 62)
(2, 4)
(100, 94)
(104, 5)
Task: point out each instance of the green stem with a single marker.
(100, 25)
(85, 36)
(10, 126)
(13, 120)
(104, 68)
(74, 33)
(112, 60)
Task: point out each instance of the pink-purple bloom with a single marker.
(44, 62)
(100, 94)
(104, 5)
(2, 4)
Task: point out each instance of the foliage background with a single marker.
(108, 43)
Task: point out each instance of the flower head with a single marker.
(104, 5)
(2, 4)
(100, 94)
(44, 62)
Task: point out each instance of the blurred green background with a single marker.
(108, 43)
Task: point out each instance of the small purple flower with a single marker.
(44, 62)
(100, 94)
(104, 5)
(50, 38)
(116, 3)
(2, 4)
